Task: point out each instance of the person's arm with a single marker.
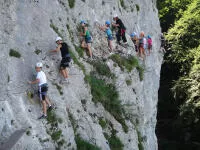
(57, 49)
(102, 28)
(83, 33)
(115, 25)
(34, 82)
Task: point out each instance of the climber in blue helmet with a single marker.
(135, 41)
(108, 32)
(86, 42)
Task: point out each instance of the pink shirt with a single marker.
(149, 42)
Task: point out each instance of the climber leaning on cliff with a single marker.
(86, 42)
(121, 33)
(108, 31)
(43, 88)
(63, 47)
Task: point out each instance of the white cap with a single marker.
(39, 64)
(115, 16)
(58, 39)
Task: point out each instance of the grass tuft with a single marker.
(84, 145)
(128, 64)
(71, 3)
(14, 53)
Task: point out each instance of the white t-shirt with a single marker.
(42, 77)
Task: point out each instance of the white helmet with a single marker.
(39, 64)
(58, 39)
(115, 16)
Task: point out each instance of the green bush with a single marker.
(137, 7)
(37, 51)
(84, 145)
(115, 143)
(122, 4)
(108, 96)
(128, 63)
(102, 123)
(14, 53)
(71, 3)
(128, 82)
(102, 69)
(80, 51)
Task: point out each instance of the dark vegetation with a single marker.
(179, 95)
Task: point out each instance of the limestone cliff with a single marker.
(28, 30)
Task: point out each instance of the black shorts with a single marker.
(65, 62)
(42, 92)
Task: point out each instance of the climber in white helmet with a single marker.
(121, 33)
(63, 48)
(43, 88)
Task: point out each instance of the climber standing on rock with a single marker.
(43, 88)
(63, 48)
(108, 31)
(121, 33)
(86, 42)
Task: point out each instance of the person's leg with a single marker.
(83, 44)
(118, 37)
(110, 45)
(89, 49)
(124, 37)
(44, 107)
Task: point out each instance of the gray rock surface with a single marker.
(25, 27)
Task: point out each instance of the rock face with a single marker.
(30, 28)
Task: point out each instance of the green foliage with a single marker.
(84, 145)
(108, 96)
(184, 56)
(171, 10)
(14, 53)
(114, 142)
(30, 95)
(137, 7)
(56, 135)
(55, 29)
(28, 132)
(37, 51)
(122, 4)
(140, 139)
(128, 82)
(54, 131)
(102, 69)
(71, 3)
(80, 51)
(59, 88)
(102, 123)
(128, 63)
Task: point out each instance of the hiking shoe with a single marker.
(66, 80)
(43, 116)
(50, 108)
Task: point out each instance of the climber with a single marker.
(106, 28)
(86, 42)
(43, 88)
(149, 41)
(121, 33)
(145, 43)
(141, 45)
(134, 39)
(63, 47)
